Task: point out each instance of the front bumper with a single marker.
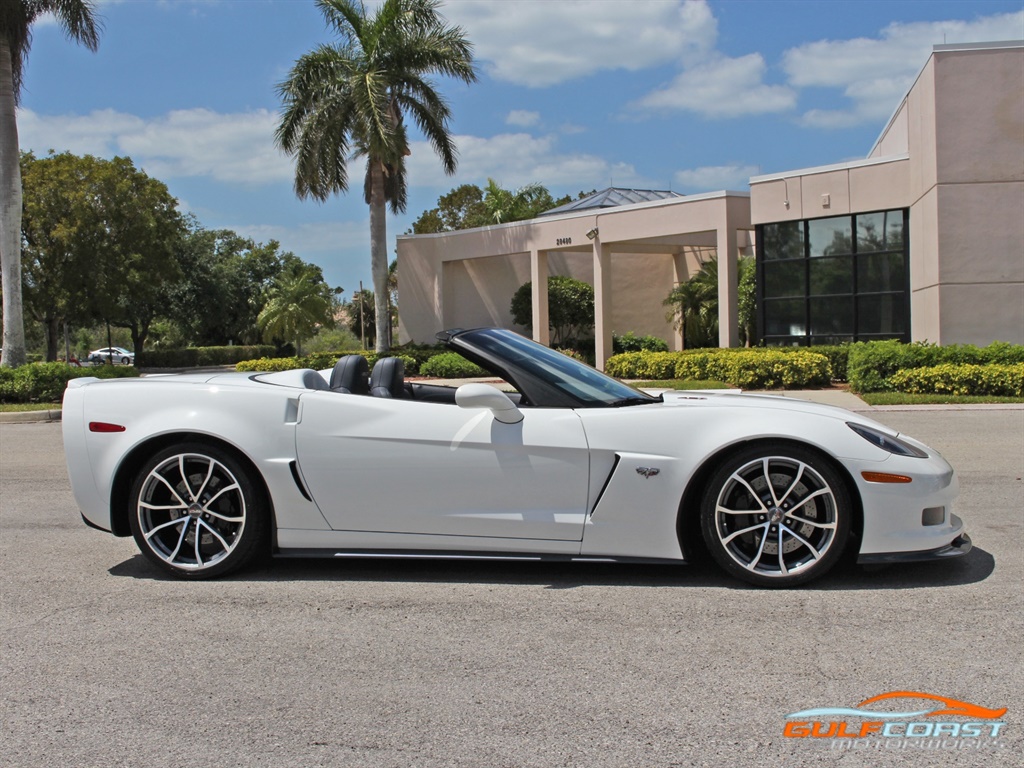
(959, 547)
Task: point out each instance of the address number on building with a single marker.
(563, 241)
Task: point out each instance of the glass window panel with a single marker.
(881, 231)
(831, 316)
(785, 278)
(784, 240)
(834, 340)
(784, 317)
(895, 232)
(881, 272)
(832, 275)
(882, 314)
(830, 237)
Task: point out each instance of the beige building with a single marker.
(922, 240)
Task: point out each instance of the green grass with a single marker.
(19, 407)
(902, 398)
(681, 384)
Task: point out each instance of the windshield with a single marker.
(583, 384)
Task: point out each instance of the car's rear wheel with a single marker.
(198, 512)
(776, 515)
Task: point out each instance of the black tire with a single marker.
(125, 361)
(197, 512)
(776, 515)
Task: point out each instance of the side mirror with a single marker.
(486, 396)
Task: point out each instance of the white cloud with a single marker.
(722, 87)
(875, 73)
(715, 177)
(237, 147)
(522, 118)
(540, 44)
(517, 159)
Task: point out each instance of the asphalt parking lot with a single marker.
(103, 662)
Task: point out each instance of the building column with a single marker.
(539, 280)
(602, 303)
(728, 289)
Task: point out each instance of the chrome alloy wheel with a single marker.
(776, 517)
(191, 511)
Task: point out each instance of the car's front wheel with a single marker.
(198, 512)
(776, 515)
(125, 361)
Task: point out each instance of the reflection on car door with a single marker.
(401, 466)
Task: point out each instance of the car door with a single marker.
(402, 466)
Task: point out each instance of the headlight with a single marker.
(887, 442)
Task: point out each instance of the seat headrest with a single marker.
(388, 378)
(350, 375)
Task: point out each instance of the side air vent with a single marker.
(294, 467)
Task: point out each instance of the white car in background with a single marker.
(113, 355)
(210, 471)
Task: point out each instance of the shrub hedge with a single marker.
(194, 357)
(963, 379)
(451, 365)
(873, 364)
(765, 368)
(46, 382)
(318, 362)
(630, 342)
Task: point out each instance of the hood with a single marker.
(698, 399)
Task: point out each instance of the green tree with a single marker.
(469, 206)
(695, 307)
(298, 303)
(352, 97)
(570, 309)
(747, 300)
(695, 304)
(77, 19)
(361, 315)
(101, 243)
(462, 208)
(225, 285)
(503, 205)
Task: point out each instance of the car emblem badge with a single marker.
(648, 472)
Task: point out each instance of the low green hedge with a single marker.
(46, 382)
(873, 364)
(451, 365)
(318, 362)
(630, 342)
(765, 368)
(965, 379)
(194, 357)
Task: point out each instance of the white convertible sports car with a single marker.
(210, 471)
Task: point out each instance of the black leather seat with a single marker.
(350, 375)
(388, 378)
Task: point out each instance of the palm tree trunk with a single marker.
(10, 216)
(379, 254)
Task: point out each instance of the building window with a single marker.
(827, 281)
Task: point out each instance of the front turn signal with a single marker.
(885, 477)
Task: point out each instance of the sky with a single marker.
(688, 95)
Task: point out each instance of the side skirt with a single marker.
(362, 554)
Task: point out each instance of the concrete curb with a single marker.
(29, 417)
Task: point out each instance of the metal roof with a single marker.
(612, 198)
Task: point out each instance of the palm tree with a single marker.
(695, 306)
(78, 20)
(349, 99)
(297, 304)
